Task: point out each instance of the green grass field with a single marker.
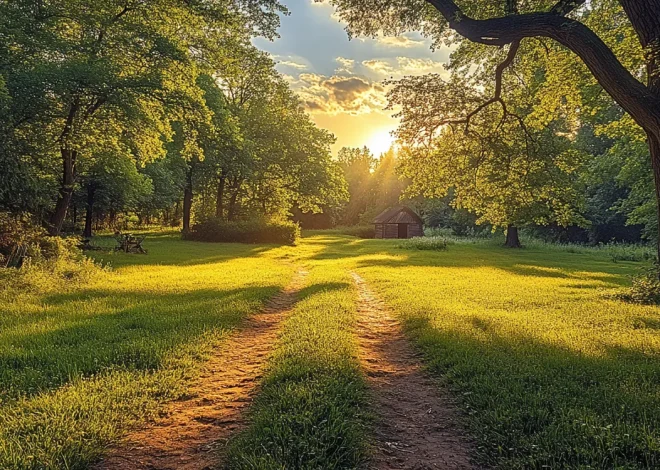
(81, 363)
(550, 369)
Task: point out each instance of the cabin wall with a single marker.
(391, 231)
(415, 230)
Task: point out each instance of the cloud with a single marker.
(400, 42)
(380, 66)
(345, 65)
(399, 66)
(339, 94)
(292, 64)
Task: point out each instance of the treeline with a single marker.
(152, 112)
(603, 197)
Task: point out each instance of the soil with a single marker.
(417, 424)
(194, 431)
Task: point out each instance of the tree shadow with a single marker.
(130, 330)
(170, 249)
(534, 404)
(575, 267)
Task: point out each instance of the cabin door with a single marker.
(403, 230)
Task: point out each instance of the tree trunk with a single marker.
(89, 214)
(66, 191)
(654, 146)
(187, 207)
(512, 239)
(232, 205)
(219, 203)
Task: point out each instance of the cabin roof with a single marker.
(398, 215)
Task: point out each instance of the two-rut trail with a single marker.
(417, 426)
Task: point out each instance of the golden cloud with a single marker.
(400, 66)
(399, 41)
(339, 94)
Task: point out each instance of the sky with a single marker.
(340, 82)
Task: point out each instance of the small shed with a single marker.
(399, 222)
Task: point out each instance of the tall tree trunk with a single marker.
(512, 238)
(219, 203)
(231, 215)
(66, 190)
(74, 215)
(654, 146)
(89, 214)
(187, 206)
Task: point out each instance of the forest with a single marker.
(193, 273)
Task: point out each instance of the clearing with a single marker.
(529, 359)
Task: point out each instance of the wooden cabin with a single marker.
(399, 222)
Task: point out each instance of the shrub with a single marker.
(424, 243)
(645, 288)
(19, 232)
(249, 231)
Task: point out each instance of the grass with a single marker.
(550, 369)
(308, 414)
(81, 363)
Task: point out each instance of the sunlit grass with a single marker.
(79, 366)
(552, 372)
(309, 413)
(549, 367)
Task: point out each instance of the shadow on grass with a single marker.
(531, 263)
(170, 249)
(132, 330)
(537, 405)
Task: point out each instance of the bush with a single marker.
(250, 231)
(18, 232)
(360, 231)
(424, 243)
(645, 288)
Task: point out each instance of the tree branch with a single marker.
(633, 96)
(564, 7)
(497, 97)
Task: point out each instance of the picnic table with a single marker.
(127, 243)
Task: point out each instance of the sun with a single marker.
(380, 142)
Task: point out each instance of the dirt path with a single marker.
(194, 431)
(417, 426)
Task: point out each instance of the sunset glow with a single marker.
(341, 82)
(380, 142)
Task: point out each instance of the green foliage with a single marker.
(249, 231)
(645, 288)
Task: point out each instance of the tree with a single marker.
(509, 22)
(71, 65)
(499, 170)
(111, 184)
(357, 165)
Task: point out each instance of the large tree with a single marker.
(571, 23)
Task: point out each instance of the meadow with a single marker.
(549, 368)
(80, 363)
